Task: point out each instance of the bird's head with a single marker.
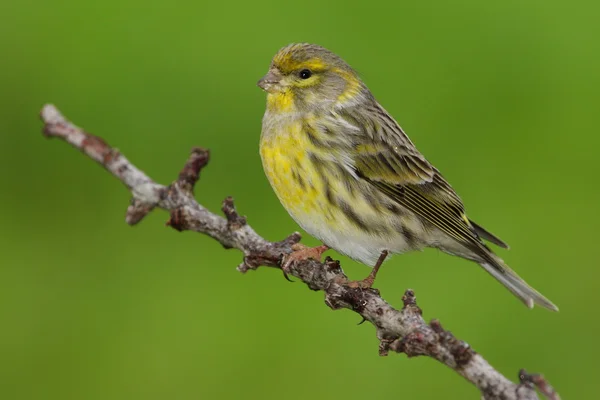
(306, 76)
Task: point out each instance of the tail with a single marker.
(487, 235)
(509, 278)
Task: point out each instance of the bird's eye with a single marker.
(305, 74)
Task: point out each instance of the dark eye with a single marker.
(305, 74)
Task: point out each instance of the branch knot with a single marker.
(177, 220)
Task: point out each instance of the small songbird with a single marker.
(348, 174)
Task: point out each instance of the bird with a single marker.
(349, 175)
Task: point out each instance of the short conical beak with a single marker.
(270, 80)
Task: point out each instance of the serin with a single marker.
(349, 175)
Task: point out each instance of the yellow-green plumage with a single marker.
(347, 173)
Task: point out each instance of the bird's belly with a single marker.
(349, 221)
(353, 242)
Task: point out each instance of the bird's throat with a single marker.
(282, 101)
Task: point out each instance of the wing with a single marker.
(386, 158)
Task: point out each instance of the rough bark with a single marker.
(401, 331)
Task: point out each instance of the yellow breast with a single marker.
(292, 176)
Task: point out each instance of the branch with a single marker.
(401, 331)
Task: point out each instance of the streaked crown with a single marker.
(306, 55)
(306, 76)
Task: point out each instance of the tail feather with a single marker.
(528, 295)
(487, 235)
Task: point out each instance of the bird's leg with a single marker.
(301, 253)
(367, 283)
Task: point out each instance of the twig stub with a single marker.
(538, 381)
(190, 173)
(234, 220)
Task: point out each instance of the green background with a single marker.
(501, 96)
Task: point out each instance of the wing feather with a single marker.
(385, 157)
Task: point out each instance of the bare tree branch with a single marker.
(401, 331)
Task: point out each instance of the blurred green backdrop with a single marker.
(501, 96)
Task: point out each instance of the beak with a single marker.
(270, 80)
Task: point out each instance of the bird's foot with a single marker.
(301, 253)
(367, 283)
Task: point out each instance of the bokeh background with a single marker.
(501, 96)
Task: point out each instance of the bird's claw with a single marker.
(285, 275)
(363, 284)
(300, 253)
